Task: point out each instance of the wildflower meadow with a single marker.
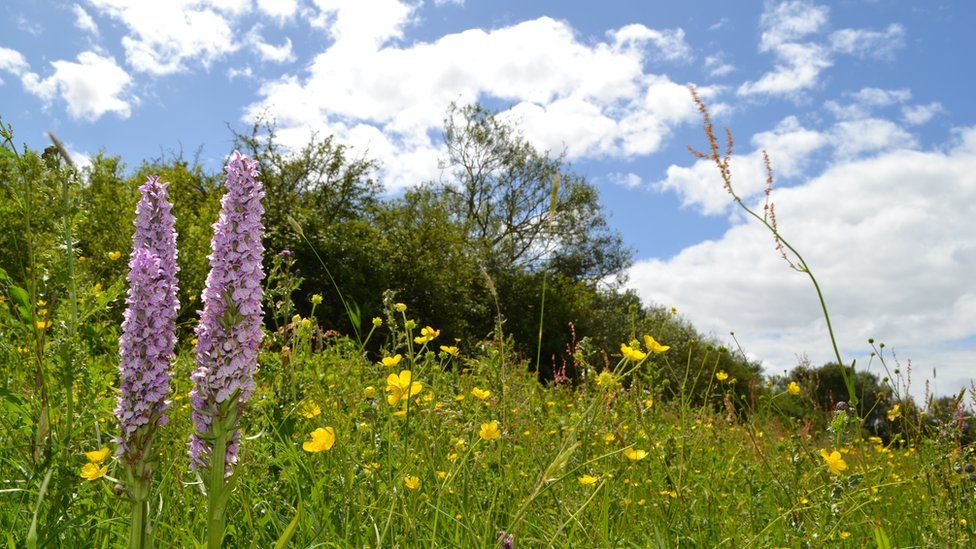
(263, 357)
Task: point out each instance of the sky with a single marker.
(865, 108)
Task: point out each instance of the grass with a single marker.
(711, 477)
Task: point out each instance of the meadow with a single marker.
(388, 430)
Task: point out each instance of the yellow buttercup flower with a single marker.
(401, 386)
(92, 471)
(392, 360)
(489, 431)
(721, 375)
(411, 482)
(793, 388)
(606, 380)
(587, 480)
(114, 256)
(97, 456)
(43, 324)
(450, 349)
(630, 353)
(480, 394)
(322, 440)
(427, 334)
(41, 303)
(369, 392)
(894, 412)
(653, 346)
(635, 455)
(400, 307)
(309, 409)
(834, 461)
(609, 437)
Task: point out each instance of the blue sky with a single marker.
(865, 107)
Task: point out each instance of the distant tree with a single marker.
(502, 191)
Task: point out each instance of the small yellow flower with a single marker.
(317, 299)
(441, 474)
(411, 482)
(306, 322)
(606, 380)
(41, 303)
(450, 349)
(844, 535)
(587, 480)
(401, 387)
(43, 324)
(793, 388)
(400, 307)
(635, 455)
(309, 409)
(489, 431)
(97, 456)
(894, 412)
(834, 461)
(480, 394)
(92, 471)
(114, 256)
(377, 322)
(369, 392)
(42, 312)
(427, 334)
(653, 346)
(392, 360)
(322, 440)
(721, 375)
(609, 437)
(630, 353)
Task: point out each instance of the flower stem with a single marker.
(215, 493)
(138, 538)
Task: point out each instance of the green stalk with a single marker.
(217, 502)
(138, 538)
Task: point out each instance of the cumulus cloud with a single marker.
(83, 20)
(164, 37)
(584, 98)
(629, 180)
(869, 44)
(699, 185)
(279, 9)
(917, 115)
(270, 52)
(890, 239)
(792, 33)
(91, 87)
(12, 61)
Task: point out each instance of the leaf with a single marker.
(881, 539)
(290, 530)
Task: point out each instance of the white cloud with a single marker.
(83, 20)
(890, 240)
(717, 67)
(92, 86)
(857, 137)
(792, 33)
(279, 9)
(591, 99)
(165, 36)
(865, 43)
(789, 144)
(270, 52)
(917, 115)
(629, 180)
(798, 64)
(12, 61)
(670, 43)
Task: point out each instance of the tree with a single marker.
(522, 208)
